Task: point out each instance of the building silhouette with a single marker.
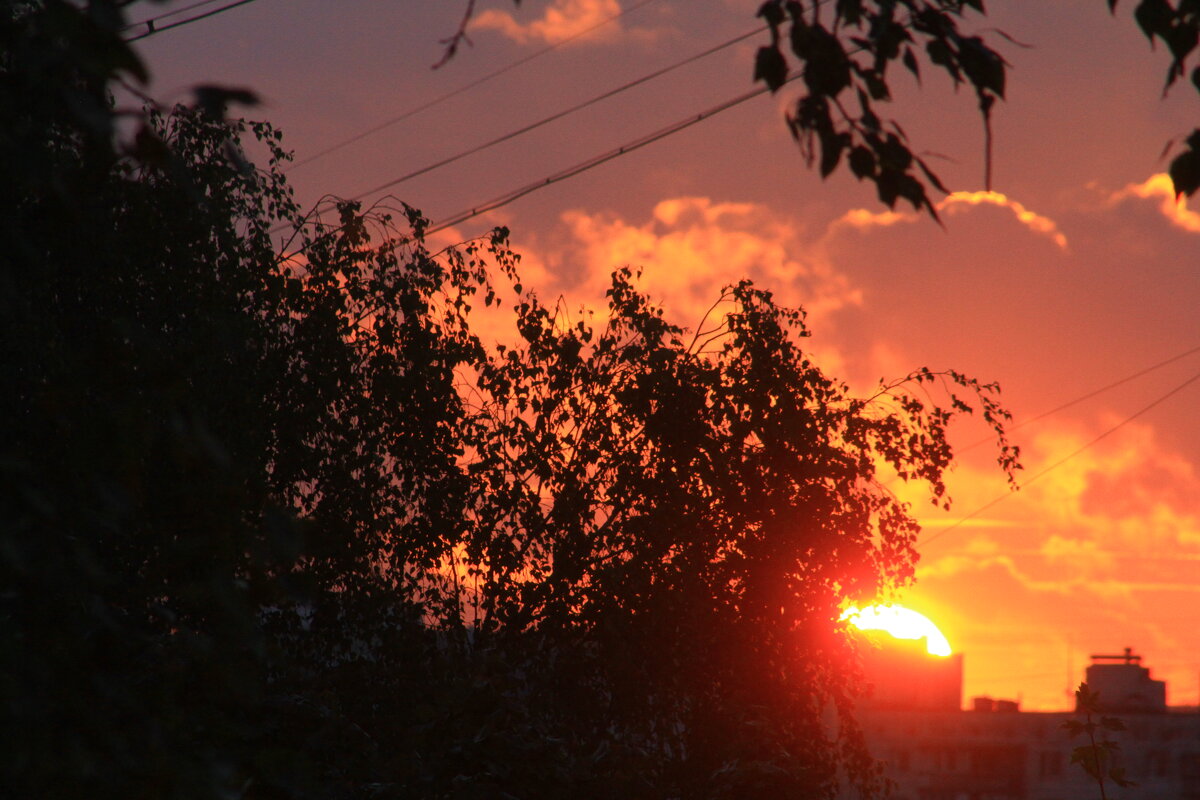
(933, 749)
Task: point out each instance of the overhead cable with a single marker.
(595, 161)
(1051, 467)
(466, 87)
(1088, 396)
(153, 28)
(152, 22)
(581, 167)
(558, 115)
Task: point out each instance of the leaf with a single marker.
(876, 86)
(1154, 17)
(770, 67)
(1073, 727)
(910, 61)
(1182, 40)
(931, 176)
(1086, 700)
(850, 11)
(887, 185)
(124, 59)
(940, 54)
(148, 148)
(826, 67)
(893, 154)
(213, 100)
(862, 162)
(772, 13)
(1185, 170)
(832, 146)
(983, 66)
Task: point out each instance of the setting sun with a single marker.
(900, 622)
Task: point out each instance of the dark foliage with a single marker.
(1178, 27)
(846, 49)
(1099, 756)
(281, 526)
(844, 61)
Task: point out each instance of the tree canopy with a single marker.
(281, 523)
(845, 51)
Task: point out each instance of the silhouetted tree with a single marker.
(279, 524)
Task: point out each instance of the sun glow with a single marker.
(900, 622)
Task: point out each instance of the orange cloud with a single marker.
(864, 219)
(1173, 207)
(689, 248)
(563, 20)
(1035, 222)
(1103, 551)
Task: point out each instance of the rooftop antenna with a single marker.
(1127, 657)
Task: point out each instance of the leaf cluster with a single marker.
(1177, 25)
(845, 51)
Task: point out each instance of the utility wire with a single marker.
(583, 166)
(1087, 396)
(569, 172)
(595, 161)
(467, 87)
(1050, 468)
(151, 22)
(152, 29)
(559, 114)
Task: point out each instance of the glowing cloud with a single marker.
(690, 247)
(562, 20)
(1173, 207)
(900, 622)
(864, 219)
(1035, 222)
(1107, 544)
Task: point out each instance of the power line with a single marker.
(151, 22)
(1088, 396)
(559, 114)
(1050, 468)
(595, 161)
(583, 166)
(152, 29)
(467, 87)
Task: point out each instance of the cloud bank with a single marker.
(563, 19)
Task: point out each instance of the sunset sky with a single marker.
(1078, 271)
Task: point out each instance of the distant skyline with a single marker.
(1078, 271)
